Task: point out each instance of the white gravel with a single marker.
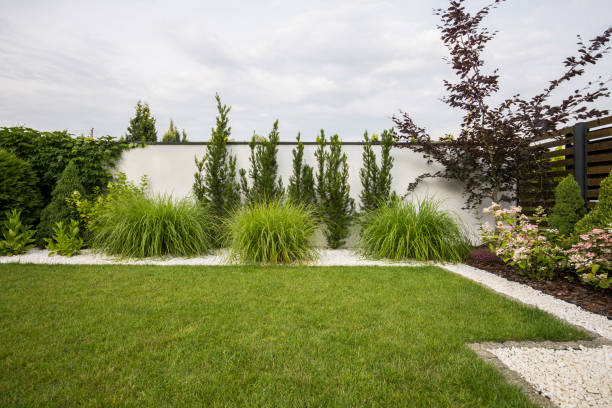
(570, 378)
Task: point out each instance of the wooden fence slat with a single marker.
(597, 134)
(599, 169)
(593, 193)
(599, 122)
(596, 147)
(598, 158)
(555, 143)
(563, 131)
(594, 182)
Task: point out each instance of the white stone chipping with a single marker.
(572, 377)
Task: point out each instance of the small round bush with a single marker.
(272, 232)
(18, 187)
(420, 230)
(569, 206)
(139, 226)
(601, 215)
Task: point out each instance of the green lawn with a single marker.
(255, 336)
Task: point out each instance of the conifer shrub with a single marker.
(375, 179)
(215, 185)
(265, 182)
(59, 208)
(335, 207)
(137, 226)
(18, 187)
(569, 206)
(601, 215)
(274, 232)
(420, 229)
(301, 183)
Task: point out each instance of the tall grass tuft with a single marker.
(275, 232)
(139, 226)
(417, 230)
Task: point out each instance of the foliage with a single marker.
(482, 256)
(522, 242)
(66, 240)
(173, 135)
(569, 206)
(301, 183)
(335, 205)
(592, 257)
(138, 226)
(18, 186)
(272, 232)
(59, 207)
(265, 183)
(88, 210)
(601, 215)
(417, 229)
(375, 180)
(215, 182)
(17, 237)
(49, 153)
(142, 125)
(491, 152)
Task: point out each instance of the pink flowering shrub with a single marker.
(592, 257)
(522, 242)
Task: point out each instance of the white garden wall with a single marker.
(170, 169)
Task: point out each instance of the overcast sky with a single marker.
(344, 66)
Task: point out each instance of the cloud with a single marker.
(340, 65)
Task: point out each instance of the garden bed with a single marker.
(588, 297)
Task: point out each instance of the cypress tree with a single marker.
(334, 202)
(301, 183)
(265, 182)
(569, 206)
(215, 180)
(172, 134)
(58, 209)
(375, 180)
(142, 125)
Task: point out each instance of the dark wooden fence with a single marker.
(584, 150)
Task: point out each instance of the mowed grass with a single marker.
(255, 336)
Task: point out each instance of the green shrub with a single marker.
(601, 215)
(418, 230)
(334, 204)
(59, 207)
(138, 226)
(569, 206)
(376, 180)
(142, 125)
(18, 238)
(65, 240)
(272, 232)
(215, 183)
(18, 186)
(265, 183)
(301, 183)
(49, 153)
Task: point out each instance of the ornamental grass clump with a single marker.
(139, 226)
(272, 232)
(418, 230)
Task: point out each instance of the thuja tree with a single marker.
(215, 180)
(265, 182)
(335, 206)
(173, 134)
(491, 151)
(142, 125)
(375, 179)
(569, 206)
(301, 183)
(59, 209)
